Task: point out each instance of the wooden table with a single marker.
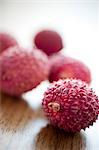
(25, 128)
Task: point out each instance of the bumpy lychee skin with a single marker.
(22, 70)
(71, 105)
(63, 67)
(6, 41)
(48, 41)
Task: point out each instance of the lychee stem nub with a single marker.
(54, 106)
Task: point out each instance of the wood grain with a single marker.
(51, 138)
(19, 124)
(22, 128)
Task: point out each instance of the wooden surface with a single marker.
(22, 128)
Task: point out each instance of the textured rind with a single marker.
(62, 67)
(22, 70)
(79, 106)
(6, 41)
(48, 41)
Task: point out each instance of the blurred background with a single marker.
(76, 21)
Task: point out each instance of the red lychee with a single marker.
(6, 41)
(22, 70)
(71, 105)
(48, 41)
(63, 67)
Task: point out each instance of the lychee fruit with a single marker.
(6, 41)
(71, 105)
(62, 67)
(48, 41)
(22, 70)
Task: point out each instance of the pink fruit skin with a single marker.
(63, 67)
(48, 41)
(6, 41)
(22, 70)
(70, 105)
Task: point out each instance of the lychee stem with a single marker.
(54, 106)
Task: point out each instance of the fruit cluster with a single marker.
(69, 102)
